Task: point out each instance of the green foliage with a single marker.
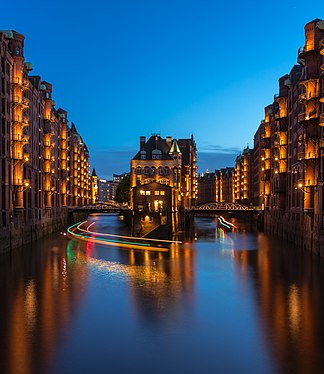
(122, 192)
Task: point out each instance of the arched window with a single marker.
(175, 175)
(164, 181)
(138, 170)
(153, 170)
(160, 170)
(166, 170)
(146, 170)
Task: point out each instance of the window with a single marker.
(162, 193)
(166, 170)
(146, 170)
(148, 193)
(160, 170)
(138, 170)
(163, 181)
(156, 192)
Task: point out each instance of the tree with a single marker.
(122, 192)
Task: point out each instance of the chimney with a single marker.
(142, 141)
(168, 140)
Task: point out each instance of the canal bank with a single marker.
(305, 234)
(24, 228)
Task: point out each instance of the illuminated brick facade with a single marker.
(169, 162)
(289, 144)
(36, 146)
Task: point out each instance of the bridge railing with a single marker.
(224, 206)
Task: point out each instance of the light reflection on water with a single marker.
(226, 302)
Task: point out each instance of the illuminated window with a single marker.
(148, 193)
(142, 192)
(156, 192)
(164, 181)
(162, 192)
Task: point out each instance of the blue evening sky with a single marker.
(126, 68)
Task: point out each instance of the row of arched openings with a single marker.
(154, 171)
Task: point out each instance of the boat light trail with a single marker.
(114, 242)
(225, 223)
(123, 236)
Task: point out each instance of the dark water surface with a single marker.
(222, 303)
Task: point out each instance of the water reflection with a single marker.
(39, 293)
(264, 299)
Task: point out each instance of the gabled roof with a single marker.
(153, 143)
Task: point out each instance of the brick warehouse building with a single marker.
(163, 181)
(44, 163)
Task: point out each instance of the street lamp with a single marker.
(301, 187)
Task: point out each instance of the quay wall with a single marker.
(305, 234)
(24, 230)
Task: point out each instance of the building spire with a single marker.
(174, 148)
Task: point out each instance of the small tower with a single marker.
(176, 154)
(94, 187)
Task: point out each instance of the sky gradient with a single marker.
(127, 68)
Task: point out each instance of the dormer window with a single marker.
(156, 154)
(143, 155)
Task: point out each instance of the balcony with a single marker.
(25, 121)
(47, 127)
(304, 117)
(22, 101)
(16, 100)
(301, 155)
(20, 138)
(265, 175)
(301, 56)
(302, 97)
(301, 52)
(20, 82)
(282, 113)
(265, 135)
(25, 102)
(17, 182)
(321, 120)
(322, 69)
(281, 126)
(321, 47)
(20, 156)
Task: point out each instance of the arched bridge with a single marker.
(223, 207)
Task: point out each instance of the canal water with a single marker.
(222, 302)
